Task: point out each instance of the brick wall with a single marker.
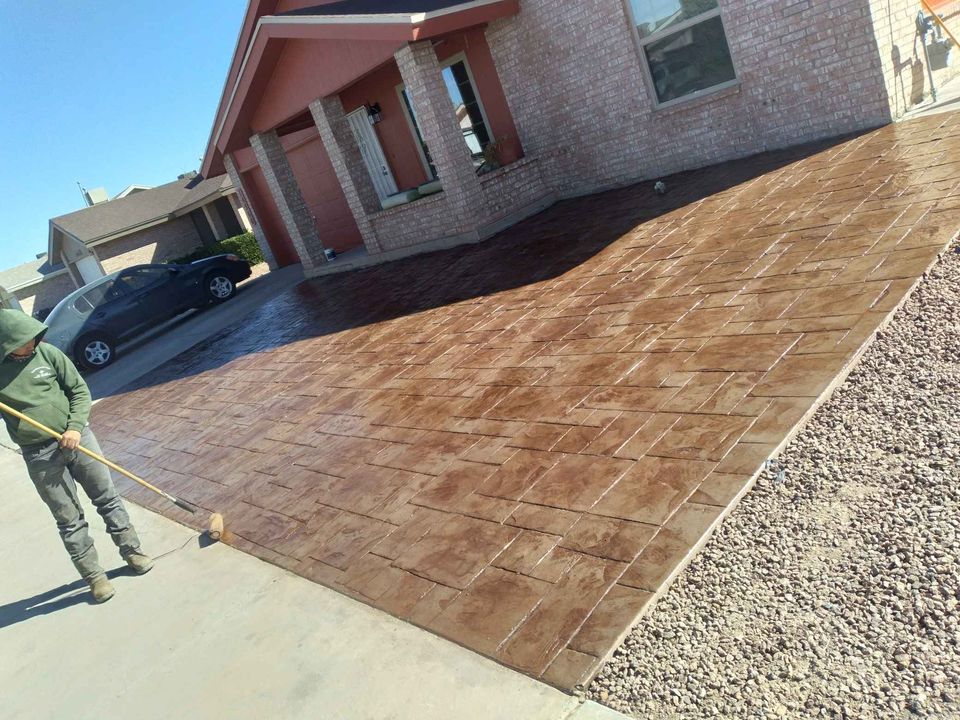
(158, 244)
(415, 223)
(902, 54)
(247, 213)
(572, 76)
(509, 190)
(46, 294)
(442, 133)
(512, 188)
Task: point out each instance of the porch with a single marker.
(405, 143)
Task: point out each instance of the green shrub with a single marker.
(243, 245)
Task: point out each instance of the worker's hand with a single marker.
(70, 440)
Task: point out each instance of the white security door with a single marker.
(372, 153)
(89, 269)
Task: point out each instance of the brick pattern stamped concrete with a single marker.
(517, 445)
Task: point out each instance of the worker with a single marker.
(41, 382)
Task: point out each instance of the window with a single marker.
(94, 297)
(685, 46)
(466, 106)
(141, 278)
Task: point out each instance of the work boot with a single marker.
(139, 563)
(101, 588)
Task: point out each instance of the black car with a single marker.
(89, 323)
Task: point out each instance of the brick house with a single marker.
(140, 225)
(35, 286)
(380, 128)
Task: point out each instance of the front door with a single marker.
(372, 153)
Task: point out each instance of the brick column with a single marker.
(286, 193)
(441, 132)
(237, 179)
(351, 171)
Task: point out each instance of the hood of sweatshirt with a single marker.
(16, 330)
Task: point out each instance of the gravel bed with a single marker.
(832, 589)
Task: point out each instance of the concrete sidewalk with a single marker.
(215, 633)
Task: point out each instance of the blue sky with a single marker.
(108, 93)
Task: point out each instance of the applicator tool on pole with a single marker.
(214, 523)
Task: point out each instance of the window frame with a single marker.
(444, 64)
(642, 42)
(107, 296)
(163, 273)
(462, 57)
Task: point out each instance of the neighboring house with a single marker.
(35, 286)
(146, 225)
(140, 225)
(355, 124)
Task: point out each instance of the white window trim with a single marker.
(642, 42)
(452, 60)
(462, 57)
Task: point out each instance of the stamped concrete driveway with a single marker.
(517, 445)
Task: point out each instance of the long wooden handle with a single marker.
(939, 21)
(99, 458)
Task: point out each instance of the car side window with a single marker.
(94, 297)
(142, 278)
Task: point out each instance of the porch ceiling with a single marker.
(357, 35)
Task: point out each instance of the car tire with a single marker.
(95, 351)
(219, 287)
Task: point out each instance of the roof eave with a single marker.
(36, 281)
(205, 200)
(402, 27)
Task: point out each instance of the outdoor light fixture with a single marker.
(374, 113)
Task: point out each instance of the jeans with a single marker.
(55, 473)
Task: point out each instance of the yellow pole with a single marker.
(940, 22)
(99, 458)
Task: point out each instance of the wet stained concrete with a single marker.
(517, 445)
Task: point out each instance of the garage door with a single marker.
(270, 221)
(324, 196)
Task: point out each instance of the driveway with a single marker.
(165, 342)
(518, 445)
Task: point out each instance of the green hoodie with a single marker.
(46, 388)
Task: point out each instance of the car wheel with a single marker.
(220, 287)
(95, 351)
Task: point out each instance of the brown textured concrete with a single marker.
(517, 445)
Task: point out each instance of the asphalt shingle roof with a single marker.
(28, 272)
(134, 210)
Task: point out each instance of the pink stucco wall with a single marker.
(394, 131)
(309, 69)
(473, 44)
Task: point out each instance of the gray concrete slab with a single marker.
(215, 633)
(147, 352)
(948, 99)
